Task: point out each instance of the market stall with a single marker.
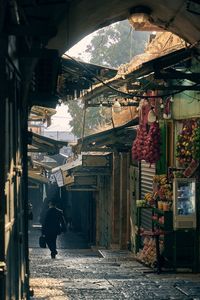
(167, 214)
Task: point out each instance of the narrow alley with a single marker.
(79, 273)
(100, 141)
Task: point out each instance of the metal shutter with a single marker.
(147, 174)
(146, 218)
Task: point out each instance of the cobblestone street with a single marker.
(80, 273)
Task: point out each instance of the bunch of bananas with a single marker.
(148, 197)
(161, 179)
(163, 189)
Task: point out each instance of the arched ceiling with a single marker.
(75, 19)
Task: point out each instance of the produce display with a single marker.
(141, 203)
(184, 145)
(138, 148)
(162, 193)
(148, 197)
(196, 142)
(162, 189)
(147, 255)
(152, 144)
(147, 146)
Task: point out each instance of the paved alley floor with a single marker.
(81, 273)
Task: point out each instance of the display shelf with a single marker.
(184, 204)
(143, 222)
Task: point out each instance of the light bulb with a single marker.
(116, 106)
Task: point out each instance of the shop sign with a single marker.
(85, 180)
(96, 160)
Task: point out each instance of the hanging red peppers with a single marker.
(152, 144)
(138, 148)
(147, 145)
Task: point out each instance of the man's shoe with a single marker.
(53, 256)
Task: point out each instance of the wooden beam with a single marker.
(73, 189)
(96, 161)
(146, 68)
(167, 88)
(96, 149)
(97, 171)
(173, 74)
(85, 180)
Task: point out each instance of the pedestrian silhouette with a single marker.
(53, 225)
(45, 206)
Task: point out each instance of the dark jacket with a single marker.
(54, 222)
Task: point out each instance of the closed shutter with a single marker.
(147, 174)
(146, 218)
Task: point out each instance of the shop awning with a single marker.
(147, 73)
(37, 176)
(95, 158)
(50, 162)
(40, 114)
(119, 138)
(41, 143)
(77, 76)
(86, 164)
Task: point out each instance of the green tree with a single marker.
(111, 47)
(94, 118)
(116, 44)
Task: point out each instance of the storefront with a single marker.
(167, 215)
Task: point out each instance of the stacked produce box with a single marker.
(147, 255)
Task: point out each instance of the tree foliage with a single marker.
(94, 118)
(116, 44)
(111, 47)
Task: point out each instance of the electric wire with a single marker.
(128, 95)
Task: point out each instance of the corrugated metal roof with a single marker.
(45, 144)
(162, 45)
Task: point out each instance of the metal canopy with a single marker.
(95, 159)
(44, 144)
(45, 29)
(147, 72)
(79, 171)
(115, 139)
(80, 164)
(78, 76)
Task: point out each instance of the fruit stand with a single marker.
(173, 146)
(155, 243)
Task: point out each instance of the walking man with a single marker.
(53, 225)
